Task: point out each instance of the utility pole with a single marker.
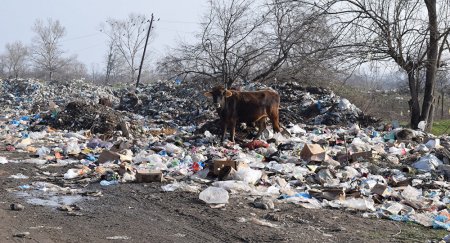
(143, 54)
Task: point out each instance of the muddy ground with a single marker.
(143, 213)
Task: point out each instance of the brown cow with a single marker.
(244, 106)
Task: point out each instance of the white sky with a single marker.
(179, 19)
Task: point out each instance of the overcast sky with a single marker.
(82, 18)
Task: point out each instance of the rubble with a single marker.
(332, 155)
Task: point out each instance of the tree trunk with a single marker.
(229, 83)
(414, 106)
(430, 117)
(432, 54)
(442, 104)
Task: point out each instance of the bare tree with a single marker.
(127, 37)
(16, 58)
(249, 41)
(46, 49)
(2, 65)
(398, 31)
(228, 46)
(73, 69)
(115, 65)
(299, 35)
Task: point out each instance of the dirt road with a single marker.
(143, 213)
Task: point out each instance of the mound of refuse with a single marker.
(30, 93)
(185, 104)
(78, 116)
(379, 171)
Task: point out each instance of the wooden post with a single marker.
(143, 54)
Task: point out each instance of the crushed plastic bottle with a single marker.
(109, 183)
(180, 186)
(363, 204)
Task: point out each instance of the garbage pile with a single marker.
(36, 94)
(318, 106)
(81, 116)
(186, 104)
(380, 171)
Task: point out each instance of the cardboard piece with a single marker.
(148, 176)
(313, 152)
(330, 194)
(361, 156)
(108, 155)
(381, 190)
(219, 164)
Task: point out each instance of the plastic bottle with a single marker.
(108, 183)
(196, 167)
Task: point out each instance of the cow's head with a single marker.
(218, 94)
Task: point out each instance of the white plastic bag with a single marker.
(214, 195)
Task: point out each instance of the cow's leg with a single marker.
(233, 129)
(224, 131)
(274, 118)
(261, 123)
(261, 127)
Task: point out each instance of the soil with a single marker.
(141, 212)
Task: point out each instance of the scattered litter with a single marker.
(18, 176)
(16, 207)
(329, 155)
(264, 223)
(22, 235)
(118, 237)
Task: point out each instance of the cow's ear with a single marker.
(228, 93)
(208, 94)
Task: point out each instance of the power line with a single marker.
(174, 30)
(178, 22)
(80, 37)
(89, 47)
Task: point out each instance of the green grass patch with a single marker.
(411, 232)
(441, 127)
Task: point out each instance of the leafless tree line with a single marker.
(251, 41)
(243, 41)
(411, 34)
(44, 58)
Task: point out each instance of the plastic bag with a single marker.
(248, 175)
(214, 195)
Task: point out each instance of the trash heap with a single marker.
(318, 106)
(186, 105)
(33, 94)
(380, 171)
